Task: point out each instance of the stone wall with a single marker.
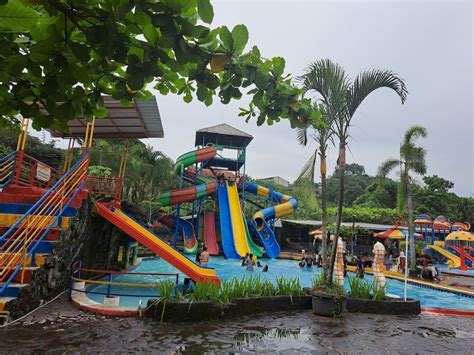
(91, 239)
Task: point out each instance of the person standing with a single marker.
(204, 257)
(250, 263)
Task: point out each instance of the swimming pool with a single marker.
(227, 269)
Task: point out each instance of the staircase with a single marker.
(36, 204)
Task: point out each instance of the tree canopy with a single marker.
(58, 57)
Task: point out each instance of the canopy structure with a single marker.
(395, 233)
(463, 226)
(441, 223)
(139, 120)
(460, 236)
(423, 219)
(222, 135)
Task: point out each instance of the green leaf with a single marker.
(205, 11)
(80, 51)
(15, 17)
(226, 39)
(278, 66)
(240, 36)
(151, 33)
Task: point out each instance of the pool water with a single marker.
(227, 269)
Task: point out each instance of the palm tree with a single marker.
(412, 161)
(341, 98)
(322, 135)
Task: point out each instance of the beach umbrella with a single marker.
(378, 264)
(339, 264)
(316, 232)
(396, 233)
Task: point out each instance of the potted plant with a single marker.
(327, 300)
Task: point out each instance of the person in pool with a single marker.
(250, 263)
(244, 259)
(204, 257)
(265, 268)
(302, 263)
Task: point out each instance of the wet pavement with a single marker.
(60, 328)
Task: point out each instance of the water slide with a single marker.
(209, 232)
(286, 205)
(189, 194)
(468, 258)
(254, 248)
(453, 260)
(227, 238)
(238, 226)
(186, 229)
(155, 244)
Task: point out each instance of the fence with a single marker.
(97, 278)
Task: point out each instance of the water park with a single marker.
(107, 244)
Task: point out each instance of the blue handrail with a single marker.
(40, 201)
(7, 157)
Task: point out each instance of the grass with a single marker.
(364, 290)
(253, 286)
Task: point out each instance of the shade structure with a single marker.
(441, 223)
(395, 233)
(460, 236)
(423, 219)
(140, 119)
(463, 226)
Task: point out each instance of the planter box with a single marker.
(391, 306)
(174, 311)
(327, 306)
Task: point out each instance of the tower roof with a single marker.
(224, 135)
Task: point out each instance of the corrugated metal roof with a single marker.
(224, 128)
(223, 135)
(140, 120)
(370, 226)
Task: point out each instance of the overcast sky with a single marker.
(429, 44)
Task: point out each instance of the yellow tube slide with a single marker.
(238, 228)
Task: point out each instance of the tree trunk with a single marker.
(411, 234)
(324, 241)
(342, 166)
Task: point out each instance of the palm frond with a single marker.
(413, 133)
(302, 135)
(330, 81)
(371, 80)
(308, 169)
(306, 193)
(304, 184)
(387, 166)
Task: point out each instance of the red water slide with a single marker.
(210, 233)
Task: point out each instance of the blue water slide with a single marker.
(227, 239)
(272, 248)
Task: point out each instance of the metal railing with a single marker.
(32, 172)
(105, 185)
(7, 169)
(106, 278)
(22, 238)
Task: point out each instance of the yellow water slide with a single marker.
(238, 227)
(453, 260)
(155, 244)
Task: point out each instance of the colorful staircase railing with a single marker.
(21, 239)
(7, 169)
(31, 172)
